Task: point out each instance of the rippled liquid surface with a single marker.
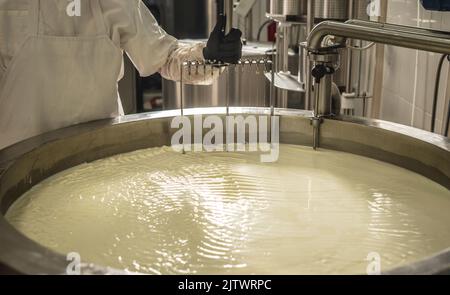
(156, 211)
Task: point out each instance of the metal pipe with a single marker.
(351, 9)
(311, 16)
(284, 28)
(348, 80)
(414, 38)
(229, 14)
(399, 28)
(309, 27)
(408, 37)
(282, 60)
(402, 38)
(302, 64)
(272, 96)
(324, 105)
(249, 27)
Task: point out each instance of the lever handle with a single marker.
(221, 14)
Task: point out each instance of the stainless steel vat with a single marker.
(297, 9)
(28, 163)
(287, 7)
(331, 9)
(244, 86)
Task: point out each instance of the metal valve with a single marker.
(320, 70)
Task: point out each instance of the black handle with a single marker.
(221, 14)
(220, 7)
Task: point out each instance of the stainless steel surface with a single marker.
(259, 65)
(426, 40)
(400, 28)
(348, 78)
(307, 63)
(414, 38)
(331, 9)
(307, 12)
(211, 15)
(229, 13)
(284, 43)
(302, 68)
(28, 163)
(323, 9)
(286, 82)
(325, 90)
(241, 86)
(287, 7)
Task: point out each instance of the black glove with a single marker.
(221, 48)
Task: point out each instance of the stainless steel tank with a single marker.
(28, 163)
(244, 86)
(287, 7)
(331, 9)
(324, 9)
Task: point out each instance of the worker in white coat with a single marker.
(58, 69)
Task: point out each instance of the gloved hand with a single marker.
(221, 47)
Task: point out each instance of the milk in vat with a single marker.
(160, 212)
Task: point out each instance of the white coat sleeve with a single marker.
(133, 28)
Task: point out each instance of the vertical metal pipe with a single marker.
(324, 102)
(282, 60)
(302, 60)
(272, 96)
(348, 82)
(308, 65)
(316, 121)
(211, 13)
(311, 16)
(351, 9)
(348, 79)
(249, 27)
(227, 92)
(182, 88)
(272, 90)
(229, 13)
(181, 94)
(286, 41)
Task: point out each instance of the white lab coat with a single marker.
(58, 70)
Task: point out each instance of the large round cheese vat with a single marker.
(28, 163)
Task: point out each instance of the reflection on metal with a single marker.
(331, 9)
(28, 163)
(262, 65)
(287, 10)
(286, 82)
(296, 11)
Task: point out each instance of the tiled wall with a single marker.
(409, 75)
